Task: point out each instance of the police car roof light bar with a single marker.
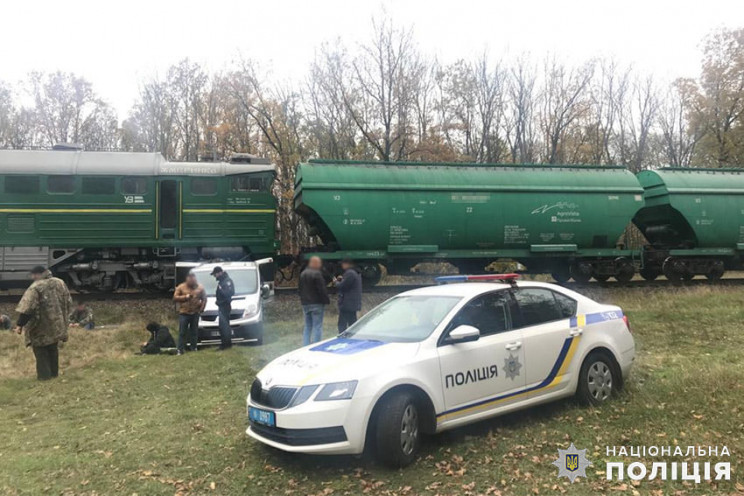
(510, 278)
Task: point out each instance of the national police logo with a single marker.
(511, 367)
(572, 463)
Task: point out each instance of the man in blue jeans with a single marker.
(314, 298)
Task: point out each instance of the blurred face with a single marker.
(217, 275)
(81, 306)
(191, 280)
(315, 263)
(36, 277)
(345, 265)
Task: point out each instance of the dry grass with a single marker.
(119, 424)
(120, 332)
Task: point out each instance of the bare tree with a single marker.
(680, 132)
(519, 121)
(565, 99)
(63, 105)
(379, 95)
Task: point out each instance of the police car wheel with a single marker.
(398, 430)
(597, 379)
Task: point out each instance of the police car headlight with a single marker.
(250, 310)
(337, 391)
(302, 395)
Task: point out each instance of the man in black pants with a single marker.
(223, 296)
(44, 317)
(349, 287)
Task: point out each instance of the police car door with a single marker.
(547, 335)
(476, 374)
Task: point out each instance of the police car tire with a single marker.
(389, 436)
(603, 362)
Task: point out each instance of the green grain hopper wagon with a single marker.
(693, 220)
(567, 220)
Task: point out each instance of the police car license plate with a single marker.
(264, 417)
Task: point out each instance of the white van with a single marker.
(246, 317)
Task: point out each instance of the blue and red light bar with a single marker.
(510, 278)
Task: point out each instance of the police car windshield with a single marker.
(245, 280)
(403, 319)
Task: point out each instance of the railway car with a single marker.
(693, 220)
(565, 220)
(108, 220)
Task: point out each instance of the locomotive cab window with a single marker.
(203, 186)
(99, 186)
(250, 183)
(61, 184)
(134, 186)
(22, 185)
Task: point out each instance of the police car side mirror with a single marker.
(265, 291)
(463, 334)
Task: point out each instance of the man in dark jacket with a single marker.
(223, 297)
(314, 298)
(349, 287)
(160, 337)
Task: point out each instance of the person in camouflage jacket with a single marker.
(44, 316)
(82, 316)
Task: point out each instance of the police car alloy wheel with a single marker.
(437, 358)
(597, 380)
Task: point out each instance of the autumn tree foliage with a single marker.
(385, 99)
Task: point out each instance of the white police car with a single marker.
(439, 357)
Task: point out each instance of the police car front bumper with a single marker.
(318, 427)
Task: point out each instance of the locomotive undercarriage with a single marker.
(109, 269)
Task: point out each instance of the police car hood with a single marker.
(335, 360)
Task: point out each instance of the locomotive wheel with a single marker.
(716, 271)
(624, 270)
(561, 275)
(581, 272)
(687, 276)
(602, 277)
(650, 273)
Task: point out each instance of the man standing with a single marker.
(314, 297)
(82, 316)
(45, 309)
(349, 287)
(191, 299)
(223, 297)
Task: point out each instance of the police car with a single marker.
(436, 358)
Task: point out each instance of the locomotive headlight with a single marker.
(250, 310)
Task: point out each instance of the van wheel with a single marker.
(398, 430)
(598, 380)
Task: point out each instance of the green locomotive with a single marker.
(110, 220)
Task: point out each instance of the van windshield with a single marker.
(245, 280)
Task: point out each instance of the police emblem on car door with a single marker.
(479, 374)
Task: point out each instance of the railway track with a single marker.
(12, 297)
(659, 283)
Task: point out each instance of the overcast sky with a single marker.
(116, 44)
